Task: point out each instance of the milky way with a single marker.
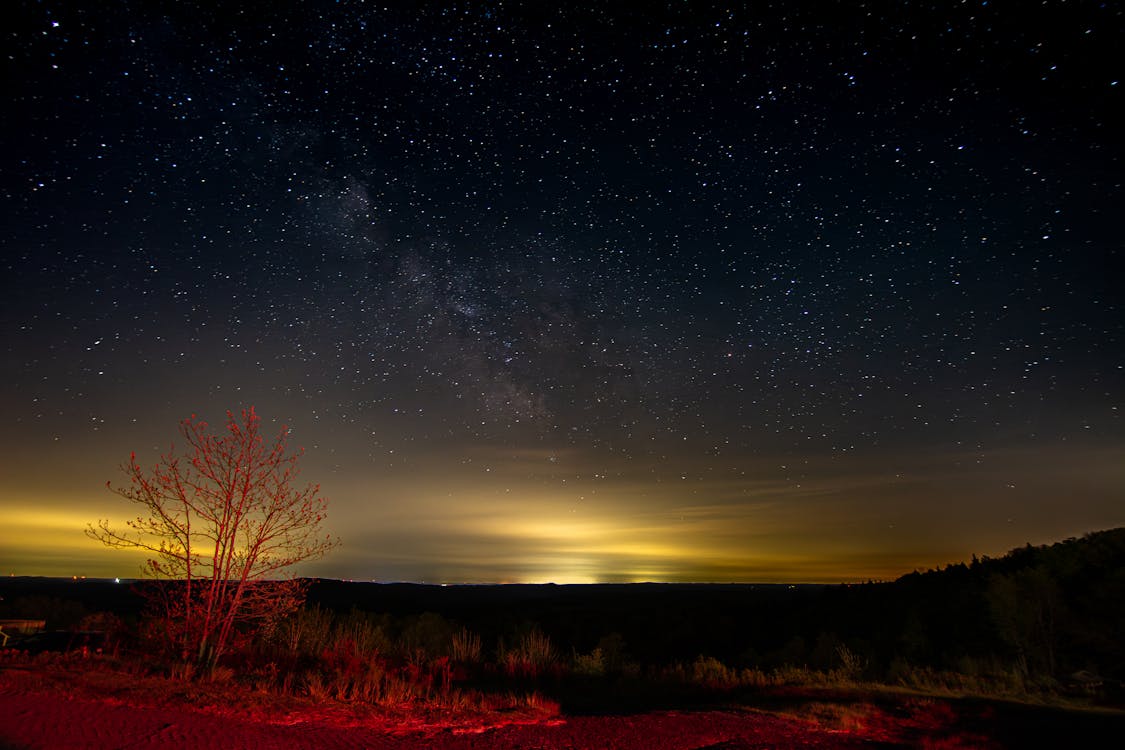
(833, 288)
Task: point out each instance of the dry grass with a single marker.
(466, 647)
(530, 656)
(103, 680)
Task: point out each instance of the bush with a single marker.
(531, 656)
(466, 647)
(712, 673)
(589, 665)
(851, 666)
(307, 632)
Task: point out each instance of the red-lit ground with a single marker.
(37, 721)
(34, 718)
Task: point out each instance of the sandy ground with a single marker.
(44, 721)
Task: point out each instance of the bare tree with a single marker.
(224, 523)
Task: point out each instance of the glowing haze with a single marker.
(784, 293)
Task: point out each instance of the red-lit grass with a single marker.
(116, 682)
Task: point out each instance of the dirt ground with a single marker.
(34, 721)
(63, 708)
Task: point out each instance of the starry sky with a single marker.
(790, 291)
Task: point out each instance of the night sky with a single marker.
(661, 291)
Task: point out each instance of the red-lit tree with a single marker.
(224, 523)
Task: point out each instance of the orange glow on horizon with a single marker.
(516, 525)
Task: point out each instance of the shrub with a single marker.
(852, 665)
(362, 634)
(589, 665)
(466, 647)
(712, 673)
(307, 632)
(530, 657)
